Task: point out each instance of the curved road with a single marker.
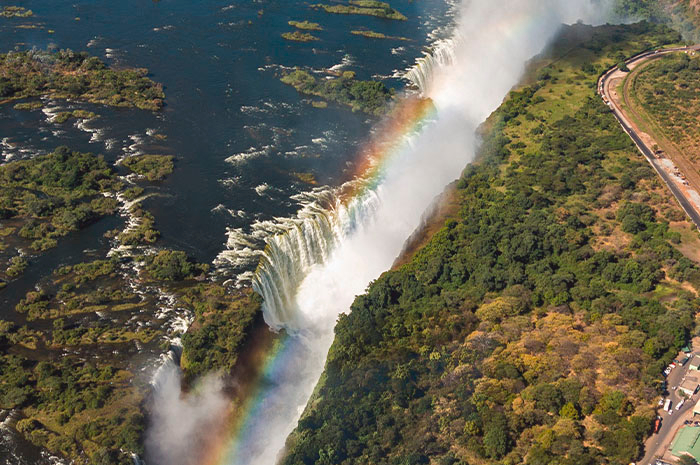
(657, 445)
(604, 89)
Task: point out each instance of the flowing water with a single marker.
(239, 136)
(312, 273)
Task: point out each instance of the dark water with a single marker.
(238, 133)
(220, 64)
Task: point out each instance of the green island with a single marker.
(64, 116)
(363, 7)
(534, 326)
(371, 97)
(152, 167)
(307, 178)
(376, 35)
(305, 25)
(15, 12)
(50, 196)
(69, 75)
(298, 36)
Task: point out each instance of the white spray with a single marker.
(182, 424)
(312, 274)
(467, 80)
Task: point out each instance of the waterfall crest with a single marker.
(307, 241)
(441, 55)
(312, 270)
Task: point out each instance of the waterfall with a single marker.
(439, 56)
(312, 271)
(308, 241)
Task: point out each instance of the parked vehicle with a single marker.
(680, 404)
(657, 425)
(667, 405)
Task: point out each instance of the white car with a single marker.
(680, 404)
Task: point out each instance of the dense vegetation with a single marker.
(364, 7)
(370, 97)
(534, 326)
(88, 411)
(152, 167)
(375, 35)
(47, 197)
(66, 74)
(223, 322)
(298, 36)
(683, 15)
(305, 25)
(93, 412)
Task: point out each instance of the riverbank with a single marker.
(488, 338)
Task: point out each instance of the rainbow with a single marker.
(371, 166)
(226, 445)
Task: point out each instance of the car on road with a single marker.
(667, 405)
(680, 404)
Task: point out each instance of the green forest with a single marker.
(534, 326)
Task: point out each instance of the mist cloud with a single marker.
(183, 426)
(493, 41)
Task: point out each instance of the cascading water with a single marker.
(440, 56)
(308, 242)
(312, 273)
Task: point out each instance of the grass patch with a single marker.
(376, 35)
(152, 167)
(371, 97)
(298, 36)
(305, 25)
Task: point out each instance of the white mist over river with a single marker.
(312, 274)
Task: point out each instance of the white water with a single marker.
(312, 274)
(319, 261)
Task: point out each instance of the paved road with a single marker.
(659, 443)
(605, 91)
